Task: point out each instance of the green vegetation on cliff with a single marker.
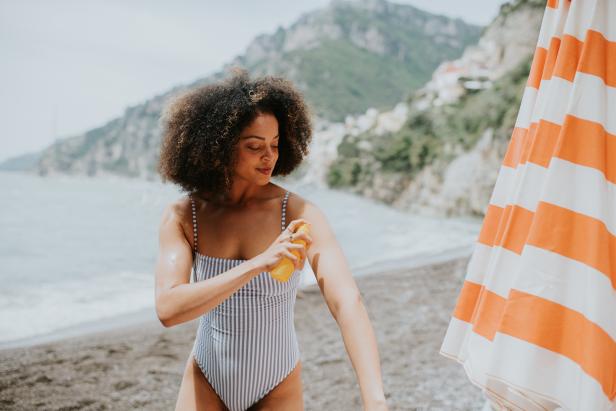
(438, 133)
(365, 56)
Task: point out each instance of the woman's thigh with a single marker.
(196, 393)
(286, 396)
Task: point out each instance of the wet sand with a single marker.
(140, 367)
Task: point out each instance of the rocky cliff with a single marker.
(445, 156)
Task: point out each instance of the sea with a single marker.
(78, 251)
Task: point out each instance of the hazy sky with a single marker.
(69, 66)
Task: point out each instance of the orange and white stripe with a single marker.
(535, 322)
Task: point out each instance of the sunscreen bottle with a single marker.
(285, 267)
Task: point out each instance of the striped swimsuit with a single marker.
(247, 344)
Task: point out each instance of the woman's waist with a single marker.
(268, 343)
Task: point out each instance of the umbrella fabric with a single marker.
(535, 321)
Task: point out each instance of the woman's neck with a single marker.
(238, 196)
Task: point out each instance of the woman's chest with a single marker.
(238, 235)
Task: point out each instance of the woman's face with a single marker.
(257, 150)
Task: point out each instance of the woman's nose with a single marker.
(269, 153)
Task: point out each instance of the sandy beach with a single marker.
(140, 367)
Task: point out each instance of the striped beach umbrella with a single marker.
(535, 322)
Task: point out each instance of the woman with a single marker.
(222, 144)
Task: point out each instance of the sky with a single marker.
(69, 66)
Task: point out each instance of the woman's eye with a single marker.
(253, 148)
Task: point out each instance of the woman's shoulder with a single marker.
(301, 207)
(297, 200)
(179, 210)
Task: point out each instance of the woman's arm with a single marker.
(177, 300)
(344, 301)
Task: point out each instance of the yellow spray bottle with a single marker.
(285, 267)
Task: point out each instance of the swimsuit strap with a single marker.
(194, 220)
(284, 210)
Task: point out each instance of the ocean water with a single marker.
(77, 250)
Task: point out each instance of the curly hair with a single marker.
(201, 129)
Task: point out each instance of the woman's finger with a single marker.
(294, 246)
(299, 249)
(291, 257)
(296, 223)
(304, 237)
(285, 235)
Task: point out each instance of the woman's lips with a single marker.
(265, 171)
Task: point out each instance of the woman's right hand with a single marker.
(282, 247)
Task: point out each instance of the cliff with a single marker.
(445, 156)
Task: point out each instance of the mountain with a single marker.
(23, 162)
(355, 55)
(444, 158)
(346, 57)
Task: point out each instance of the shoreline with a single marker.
(118, 322)
(147, 316)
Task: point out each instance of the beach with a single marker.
(140, 366)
